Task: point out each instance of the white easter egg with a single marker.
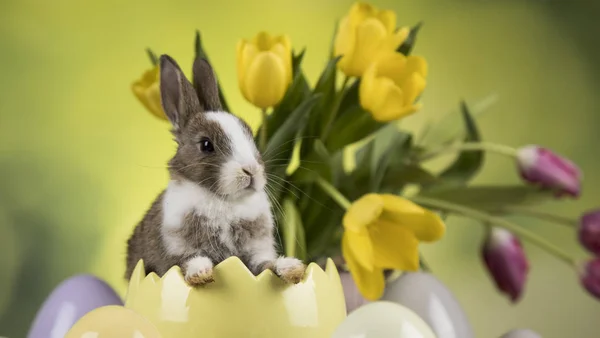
(431, 300)
(383, 320)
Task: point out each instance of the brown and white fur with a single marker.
(215, 205)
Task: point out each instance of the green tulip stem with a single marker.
(470, 146)
(263, 131)
(330, 190)
(500, 222)
(334, 109)
(557, 219)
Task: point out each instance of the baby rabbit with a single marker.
(215, 205)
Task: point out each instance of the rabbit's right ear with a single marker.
(205, 83)
(178, 97)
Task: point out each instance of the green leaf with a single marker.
(297, 62)
(391, 148)
(326, 86)
(297, 93)
(356, 183)
(201, 53)
(362, 158)
(317, 163)
(394, 169)
(327, 223)
(450, 127)
(321, 150)
(351, 127)
(410, 42)
(351, 99)
(333, 37)
(383, 140)
(468, 162)
(397, 176)
(293, 231)
(152, 56)
(338, 171)
(326, 82)
(492, 197)
(280, 146)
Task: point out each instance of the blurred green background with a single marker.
(81, 160)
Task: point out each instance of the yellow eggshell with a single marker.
(239, 304)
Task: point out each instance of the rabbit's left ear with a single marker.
(205, 84)
(177, 93)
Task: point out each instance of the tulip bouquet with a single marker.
(365, 214)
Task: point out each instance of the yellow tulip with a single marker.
(264, 68)
(383, 232)
(147, 90)
(390, 86)
(365, 34)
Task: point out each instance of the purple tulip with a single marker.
(590, 277)
(589, 231)
(505, 260)
(541, 166)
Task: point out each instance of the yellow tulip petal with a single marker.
(388, 18)
(265, 80)
(391, 101)
(344, 39)
(363, 212)
(364, 35)
(407, 110)
(426, 225)
(393, 41)
(417, 64)
(394, 247)
(263, 41)
(154, 101)
(148, 78)
(240, 66)
(369, 35)
(392, 66)
(414, 64)
(412, 88)
(147, 91)
(367, 93)
(361, 11)
(361, 248)
(247, 56)
(286, 57)
(284, 40)
(370, 283)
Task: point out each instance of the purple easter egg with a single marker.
(70, 301)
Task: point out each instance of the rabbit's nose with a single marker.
(248, 173)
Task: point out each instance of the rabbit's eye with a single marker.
(206, 146)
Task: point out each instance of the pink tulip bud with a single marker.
(589, 231)
(541, 166)
(506, 262)
(590, 277)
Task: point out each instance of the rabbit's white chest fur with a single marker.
(183, 197)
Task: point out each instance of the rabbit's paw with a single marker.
(198, 271)
(290, 270)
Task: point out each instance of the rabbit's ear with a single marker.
(177, 93)
(205, 84)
